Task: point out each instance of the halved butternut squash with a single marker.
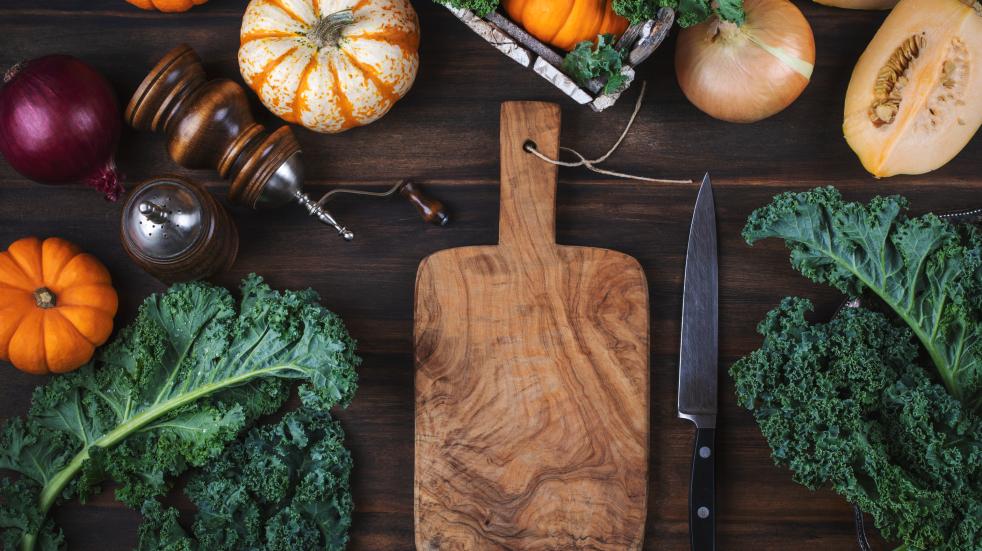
(915, 98)
(860, 4)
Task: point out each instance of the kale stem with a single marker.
(940, 362)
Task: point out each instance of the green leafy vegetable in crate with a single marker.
(588, 61)
(690, 12)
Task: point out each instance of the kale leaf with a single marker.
(168, 393)
(928, 271)
(687, 12)
(601, 60)
(479, 7)
(731, 10)
(285, 487)
(848, 404)
(692, 12)
(844, 404)
(639, 11)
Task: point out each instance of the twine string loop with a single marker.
(591, 164)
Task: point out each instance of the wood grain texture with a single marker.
(531, 376)
(445, 134)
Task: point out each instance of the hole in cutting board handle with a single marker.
(529, 146)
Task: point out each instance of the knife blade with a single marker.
(698, 365)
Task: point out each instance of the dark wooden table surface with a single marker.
(445, 133)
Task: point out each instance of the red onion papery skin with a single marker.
(60, 123)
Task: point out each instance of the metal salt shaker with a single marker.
(176, 231)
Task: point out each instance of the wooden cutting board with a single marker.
(531, 376)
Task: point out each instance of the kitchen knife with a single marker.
(698, 365)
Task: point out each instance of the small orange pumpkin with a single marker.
(56, 305)
(566, 23)
(171, 6)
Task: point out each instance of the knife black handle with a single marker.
(702, 492)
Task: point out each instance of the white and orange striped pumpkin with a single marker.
(329, 65)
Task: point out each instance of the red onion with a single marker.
(59, 123)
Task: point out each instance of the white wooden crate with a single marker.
(639, 40)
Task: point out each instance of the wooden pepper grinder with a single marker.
(209, 125)
(175, 230)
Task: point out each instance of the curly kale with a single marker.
(844, 404)
(479, 7)
(928, 271)
(169, 393)
(688, 12)
(637, 11)
(284, 488)
(848, 404)
(601, 60)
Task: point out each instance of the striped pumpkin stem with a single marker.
(327, 31)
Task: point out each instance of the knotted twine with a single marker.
(591, 164)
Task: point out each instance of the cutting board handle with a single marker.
(528, 184)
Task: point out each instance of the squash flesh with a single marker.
(940, 108)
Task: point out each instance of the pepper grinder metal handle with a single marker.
(323, 215)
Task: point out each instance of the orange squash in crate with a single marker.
(56, 305)
(914, 100)
(171, 6)
(566, 23)
(327, 66)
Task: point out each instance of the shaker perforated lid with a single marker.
(163, 218)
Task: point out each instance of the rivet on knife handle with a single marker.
(702, 492)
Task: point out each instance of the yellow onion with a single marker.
(747, 72)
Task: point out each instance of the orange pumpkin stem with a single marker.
(44, 298)
(327, 31)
